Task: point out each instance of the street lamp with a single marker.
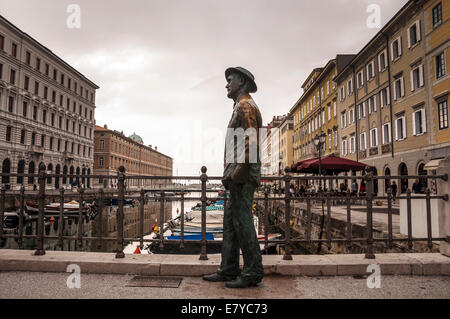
(319, 141)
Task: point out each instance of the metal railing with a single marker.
(326, 198)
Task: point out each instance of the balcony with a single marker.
(363, 154)
(386, 148)
(373, 151)
(68, 155)
(35, 149)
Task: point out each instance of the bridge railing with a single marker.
(326, 198)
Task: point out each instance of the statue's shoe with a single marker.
(216, 277)
(241, 283)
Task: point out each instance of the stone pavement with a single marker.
(189, 265)
(38, 285)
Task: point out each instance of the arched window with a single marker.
(387, 182)
(422, 181)
(71, 173)
(88, 178)
(403, 170)
(31, 169)
(64, 179)
(20, 170)
(6, 168)
(49, 171)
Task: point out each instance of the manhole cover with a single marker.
(154, 281)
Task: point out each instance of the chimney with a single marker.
(150, 146)
(156, 148)
(105, 126)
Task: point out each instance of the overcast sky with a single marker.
(160, 63)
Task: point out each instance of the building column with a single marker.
(443, 188)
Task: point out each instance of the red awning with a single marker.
(329, 164)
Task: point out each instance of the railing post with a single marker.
(2, 209)
(182, 220)
(369, 197)
(389, 202)
(287, 203)
(141, 219)
(21, 215)
(203, 179)
(408, 217)
(99, 217)
(61, 218)
(80, 217)
(121, 184)
(266, 220)
(41, 197)
(429, 230)
(161, 220)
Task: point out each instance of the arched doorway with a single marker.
(64, 179)
(6, 169)
(20, 170)
(88, 178)
(387, 182)
(403, 171)
(422, 181)
(77, 180)
(71, 175)
(57, 172)
(83, 174)
(31, 169)
(49, 171)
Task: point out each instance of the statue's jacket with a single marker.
(245, 115)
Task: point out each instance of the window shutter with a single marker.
(414, 123)
(404, 126)
(389, 132)
(402, 86)
(383, 137)
(392, 51)
(395, 90)
(421, 75)
(388, 94)
(399, 46)
(412, 80)
(409, 37)
(374, 103)
(418, 31)
(396, 129)
(381, 98)
(376, 137)
(424, 119)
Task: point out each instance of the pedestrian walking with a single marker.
(394, 190)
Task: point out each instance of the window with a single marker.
(22, 136)
(12, 77)
(329, 140)
(386, 133)
(396, 49)
(342, 93)
(26, 83)
(352, 144)
(414, 34)
(350, 86)
(53, 119)
(44, 116)
(8, 133)
(374, 137)
(334, 108)
(60, 122)
(36, 87)
(362, 141)
(344, 147)
(11, 104)
(43, 140)
(343, 120)
(51, 143)
(351, 116)
(62, 79)
(419, 122)
(55, 74)
(399, 88)
(384, 97)
(370, 71)
(443, 114)
(359, 79)
(362, 110)
(25, 109)
(329, 111)
(328, 89)
(14, 50)
(437, 15)
(54, 96)
(417, 78)
(400, 129)
(440, 65)
(47, 69)
(101, 161)
(38, 64)
(28, 57)
(2, 42)
(1, 71)
(382, 61)
(35, 111)
(372, 104)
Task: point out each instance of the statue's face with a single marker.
(234, 83)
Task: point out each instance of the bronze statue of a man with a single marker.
(242, 175)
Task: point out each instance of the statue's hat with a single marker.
(245, 73)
